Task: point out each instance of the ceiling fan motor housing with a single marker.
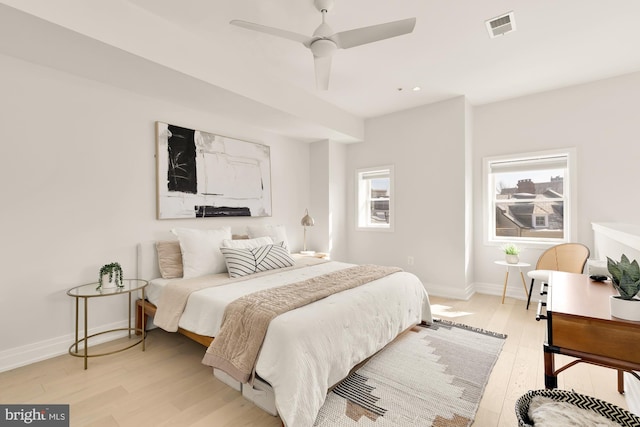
(323, 5)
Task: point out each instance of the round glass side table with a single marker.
(90, 290)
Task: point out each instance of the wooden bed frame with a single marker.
(144, 309)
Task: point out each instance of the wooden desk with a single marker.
(579, 324)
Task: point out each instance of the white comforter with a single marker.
(309, 349)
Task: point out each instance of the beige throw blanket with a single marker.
(236, 347)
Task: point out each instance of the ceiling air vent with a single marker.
(501, 25)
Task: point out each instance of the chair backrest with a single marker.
(568, 257)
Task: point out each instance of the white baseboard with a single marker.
(448, 292)
(513, 291)
(36, 352)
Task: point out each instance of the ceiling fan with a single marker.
(324, 42)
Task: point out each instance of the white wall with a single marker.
(328, 197)
(338, 177)
(469, 197)
(426, 145)
(318, 235)
(601, 120)
(78, 185)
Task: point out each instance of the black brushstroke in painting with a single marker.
(181, 174)
(213, 211)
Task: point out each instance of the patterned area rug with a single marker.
(430, 376)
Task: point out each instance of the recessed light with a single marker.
(414, 89)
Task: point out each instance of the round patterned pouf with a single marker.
(606, 409)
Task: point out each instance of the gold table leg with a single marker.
(76, 344)
(526, 292)
(86, 344)
(144, 324)
(129, 315)
(504, 289)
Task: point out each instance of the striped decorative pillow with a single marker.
(242, 262)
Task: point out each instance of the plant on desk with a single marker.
(110, 276)
(625, 276)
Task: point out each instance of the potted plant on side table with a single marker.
(511, 253)
(625, 277)
(110, 276)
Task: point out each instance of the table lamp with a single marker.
(306, 221)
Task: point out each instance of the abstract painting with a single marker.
(203, 175)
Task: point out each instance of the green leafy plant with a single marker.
(625, 276)
(114, 270)
(510, 249)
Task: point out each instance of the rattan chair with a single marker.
(568, 257)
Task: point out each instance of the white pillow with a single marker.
(278, 233)
(247, 243)
(201, 250)
(243, 262)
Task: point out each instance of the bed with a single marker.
(306, 350)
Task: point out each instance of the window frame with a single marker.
(363, 200)
(569, 196)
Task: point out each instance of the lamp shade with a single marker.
(306, 220)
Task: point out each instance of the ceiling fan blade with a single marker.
(273, 31)
(374, 33)
(323, 70)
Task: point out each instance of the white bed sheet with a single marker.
(205, 308)
(311, 348)
(153, 291)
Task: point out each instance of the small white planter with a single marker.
(512, 259)
(106, 284)
(625, 309)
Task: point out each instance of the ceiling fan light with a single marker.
(322, 48)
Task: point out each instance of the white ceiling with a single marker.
(557, 43)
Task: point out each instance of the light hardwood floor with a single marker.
(168, 386)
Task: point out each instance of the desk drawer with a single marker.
(603, 338)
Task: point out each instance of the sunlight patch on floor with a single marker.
(445, 311)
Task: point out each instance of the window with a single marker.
(375, 198)
(530, 197)
(541, 221)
